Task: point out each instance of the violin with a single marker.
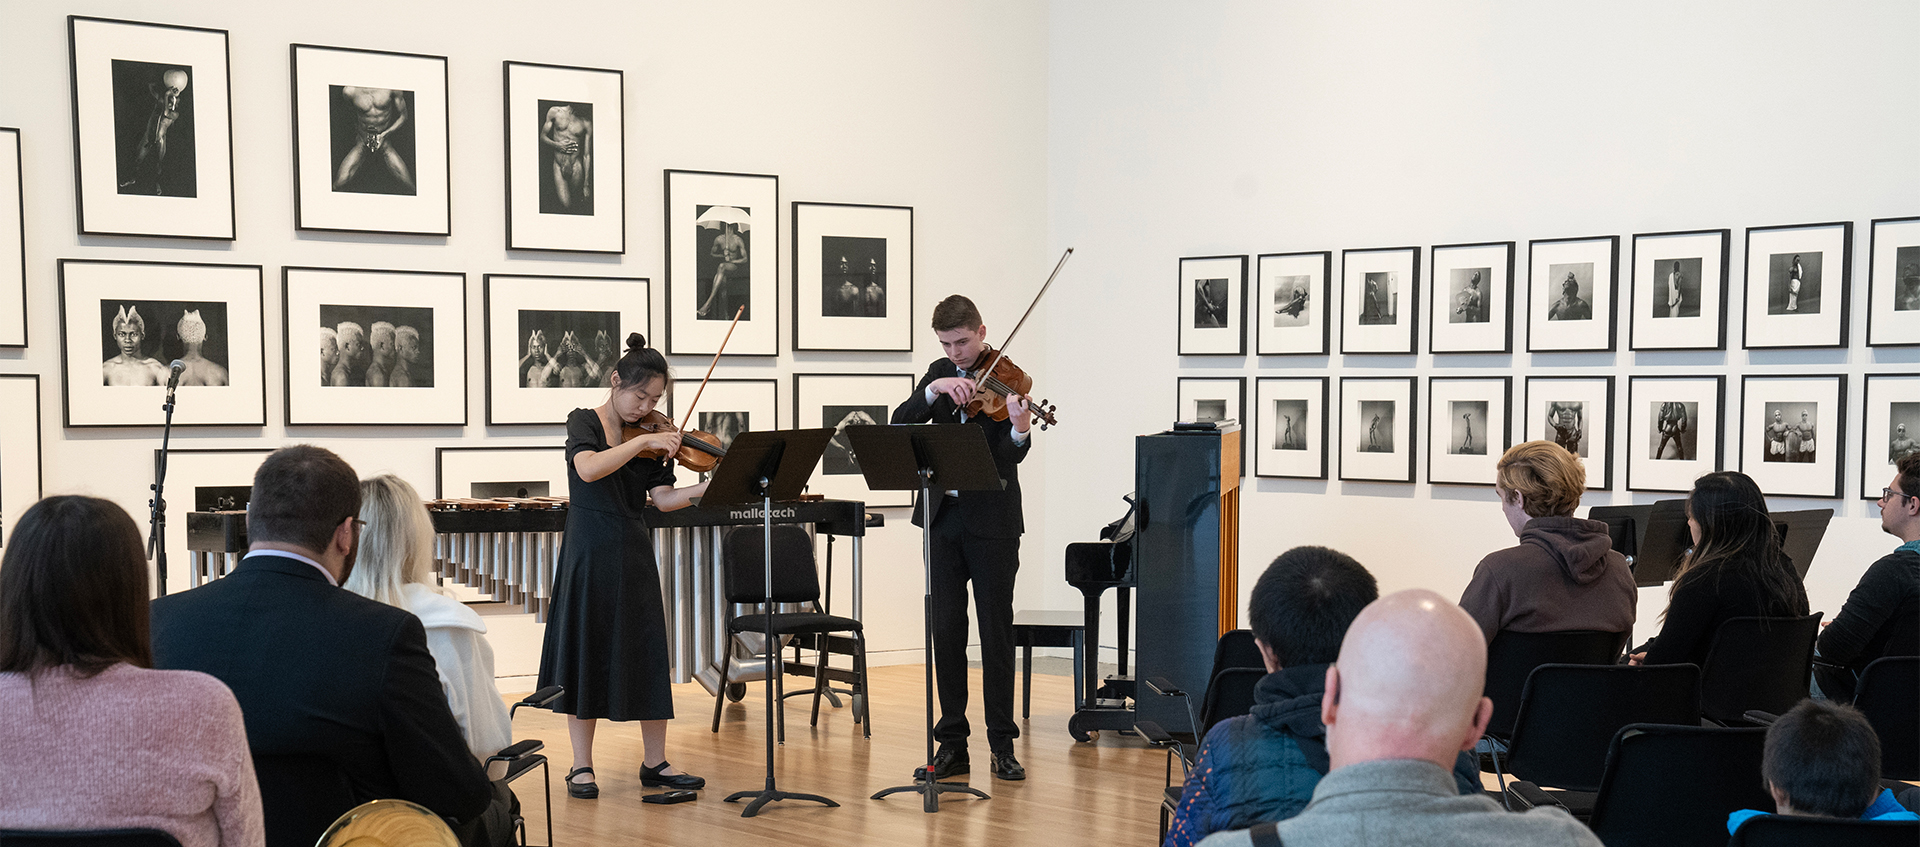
(699, 452)
(1006, 378)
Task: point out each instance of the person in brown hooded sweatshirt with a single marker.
(1564, 574)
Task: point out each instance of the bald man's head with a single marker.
(1408, 683)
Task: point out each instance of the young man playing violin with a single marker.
(975, 537)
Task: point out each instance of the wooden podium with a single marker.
(1187, 557)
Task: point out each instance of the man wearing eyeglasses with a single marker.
(1882, 615)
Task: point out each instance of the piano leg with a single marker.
(1123, 604)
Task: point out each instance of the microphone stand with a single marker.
(156, 538)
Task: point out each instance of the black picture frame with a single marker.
(13, 242)
(1709, 302)
(461, 467)
(437, 299)
(21, 464)
(1206, 326)
(1491, 311)
(867, 322)
(1273, 339)
(1193, 392)
(194, 475)
(1538, 424)
(1893, 285)
(1467, 467)
(689, 332)
(871, 394)
(1890, 415)
(196, 192)
(759, 399)
(1773, 464)
(1274, 439)
(406, 197)
(1398, 269)
(1772, 324)
(1645, 435)
(1542, 316)
(541, 216)
(613, 305)
(1357, 427)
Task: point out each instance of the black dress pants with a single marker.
(991, 564)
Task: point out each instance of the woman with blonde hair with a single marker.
(395, 568)
(1564, 574)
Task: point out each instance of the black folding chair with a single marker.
(1237, 670)
(1671, 785)
(87, 838)
(1807, 831)
(1512, 657)
(1889, 695)
(1569, 715)
(1757, 663)
(523, 756)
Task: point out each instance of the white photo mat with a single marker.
(1215, 326)
(316, 204)
(1892, 400)
(857, 328)
(1295, 448)
(1577, 411)
(457, 469)
(1893, 290)
(1770, 458)
(875, 396)
(1701, 285)
(309, 401)
(528, 228)
(514, 303)
(1703, 398)
(1379, 451)
(1215, 399)
(191, 473)
(91, 291)
(1804, 305)
(757, 399)
(13, 239)
(1291, 304)
(1594, 265)
(1469, 318)
(19, 449)
(1469, 426)
(1382, 317)
(756, 198)
(96, 44)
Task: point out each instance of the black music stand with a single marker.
(946, 457)
(763, 466)
(1653, 536)
(1800, 534)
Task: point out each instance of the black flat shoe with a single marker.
(653, 778)
(948, 762)
(1005, 766)
(582, 790)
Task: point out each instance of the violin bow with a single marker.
(710, 366)
(1001, 352)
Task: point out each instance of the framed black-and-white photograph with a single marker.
(1793, 433)
(1291, 303)
(1214, 400)
(153, 137)
(1893, 286)
(370, 141)
(210, 321)
(1379, 297)
(1573, 287)
(19, 449)
(1376, 428)
(392, 347)
(1797, 285)
(552, 340)
(838, 401)
(1891, 429)
(13, 244)
(1675, 428)
(723, 257)
(1680, 291)
(1213, 306)
(1575, 412)
(726, 408)
(201, 480)
(486, 472)
(1469, 426)
(566, 166)
(852, 277)
(1471, 288)
(1290, 427)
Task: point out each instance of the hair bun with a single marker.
(636, 341)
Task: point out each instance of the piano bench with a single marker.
(1049, 629)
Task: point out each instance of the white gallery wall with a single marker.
(936, 106)
(1198, 129)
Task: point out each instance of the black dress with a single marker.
(606, 629)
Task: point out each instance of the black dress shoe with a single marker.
(1005, 766)
(582, 790)
(653, 778)
(948, 762)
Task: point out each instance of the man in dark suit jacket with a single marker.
(341, 699)
(976, 536)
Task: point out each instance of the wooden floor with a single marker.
(1105, 792)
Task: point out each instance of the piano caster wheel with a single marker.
(1079, 734)
(736, 691)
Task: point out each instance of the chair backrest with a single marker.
(87, 838)
(1229, 694)
(1236, 649)
(1805, 831)
(1676, 785)
(300, 796)
(1569, 714)
(1512, 657)
(794, 577)
(1889, 695)
(1758, 663)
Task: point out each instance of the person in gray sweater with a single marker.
(1402, 701)
(1564, 574)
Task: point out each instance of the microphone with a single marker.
(173, 374)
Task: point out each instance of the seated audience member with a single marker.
(1564, 574)
(1263, 766)
(1736, 569)
(1823, 759)
(394, 567)
(93, 738)
(1402, 703)
(342, 701)
(1882, 615)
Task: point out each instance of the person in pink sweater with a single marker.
(101, 740)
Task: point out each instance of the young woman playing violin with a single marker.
(606, 631)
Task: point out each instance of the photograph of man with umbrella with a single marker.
(722, 265)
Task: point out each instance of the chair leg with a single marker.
(819, 674)
(720, 691)
(865, 716)
(546, 781)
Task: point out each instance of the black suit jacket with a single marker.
(989, 514)
(338, 691)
